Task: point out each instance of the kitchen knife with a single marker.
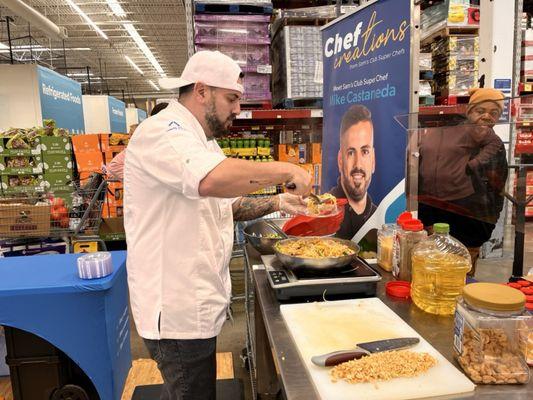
(363, 349)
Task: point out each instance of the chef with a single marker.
(181, 197)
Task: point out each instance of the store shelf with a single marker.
(525, 87)
(280, 114)
(442, 110)
(442, 29)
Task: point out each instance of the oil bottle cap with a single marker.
(401, 289)
(413, 225)
(493, 296)
(405, 216)
(441, 228)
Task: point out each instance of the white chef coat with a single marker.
(179, 243)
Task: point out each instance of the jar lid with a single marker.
(493, 296)
(401, 289)
(405, 216)
(413, 225)
(441, 228)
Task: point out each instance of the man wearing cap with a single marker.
(462, 173)
(181, 195)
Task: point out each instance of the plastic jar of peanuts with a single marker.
(491, 334)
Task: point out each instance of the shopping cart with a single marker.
(72, 216)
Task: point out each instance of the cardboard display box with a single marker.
(89, 161)
(4, 151)
(24, 220)
(287, 153)
(86, 144)
(8, 189)
(33, 167)
(56, 164)
(52, 145)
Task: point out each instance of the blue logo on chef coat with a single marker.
(174, 126)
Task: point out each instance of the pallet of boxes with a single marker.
(21, 177)
(93, 152)
(56, 161)
(240, 31)
(112, 144)
(456, 65)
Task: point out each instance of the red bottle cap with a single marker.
(529, 298)
(514, 285)
(413, 225)
(400, 289)
(405, 216)
(523, 282)
(529, 306)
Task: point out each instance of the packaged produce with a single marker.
(439, 267)
(491, 333)
(19, 162)
(412, 232)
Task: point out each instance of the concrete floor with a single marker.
(233, 336)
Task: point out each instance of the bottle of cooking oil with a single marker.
(439, 267)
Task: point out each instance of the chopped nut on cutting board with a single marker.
(383, 367)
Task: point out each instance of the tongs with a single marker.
(276, 228)
(315, 198)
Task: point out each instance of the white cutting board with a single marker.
(324, 327)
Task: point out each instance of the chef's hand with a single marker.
(300, 181)
(292, 204)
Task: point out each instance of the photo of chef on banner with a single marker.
(357, 162)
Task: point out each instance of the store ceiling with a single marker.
(160, 23)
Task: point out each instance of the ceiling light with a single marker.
(153, 85)
(79, 74)
(24, 49)
(134, 65)
(144, 48)
(3, 46)
(87, 19)
(116, 8)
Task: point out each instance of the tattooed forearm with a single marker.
(247, 208)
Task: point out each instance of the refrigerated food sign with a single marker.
(141, 115)
(117, 115)
(61, 100)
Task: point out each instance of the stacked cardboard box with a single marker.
(20, 171)
(297, 63)
(306, 155)
(56, 159)
(245, 38)
(455, 62)
(112, 144)
(88, 154)
(526, 66)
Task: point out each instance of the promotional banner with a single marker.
(366, 64)
(61, 100)
(141, 115)
(117, 115)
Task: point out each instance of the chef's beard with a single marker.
(353, 192)
(218, 128)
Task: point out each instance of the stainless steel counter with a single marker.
(277, 365)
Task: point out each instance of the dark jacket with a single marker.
(352, 221)
(450, 156)
(463, 169)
